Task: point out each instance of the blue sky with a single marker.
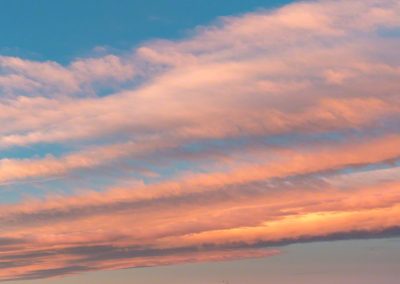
(215, 142)
(64, 30)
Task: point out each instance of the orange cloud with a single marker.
(262, 130)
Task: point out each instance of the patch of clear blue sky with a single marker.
(62, 30)
(37, 150)
(389, 32)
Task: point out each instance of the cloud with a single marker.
(257, 131)
(25, 77)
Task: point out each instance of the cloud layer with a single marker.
(260, 130)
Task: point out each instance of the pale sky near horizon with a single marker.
(202, 142)
(355, 262)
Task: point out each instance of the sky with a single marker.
(200, 142)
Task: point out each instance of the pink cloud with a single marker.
(265, 113)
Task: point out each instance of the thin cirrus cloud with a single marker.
(249, 134)
(50, 77)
